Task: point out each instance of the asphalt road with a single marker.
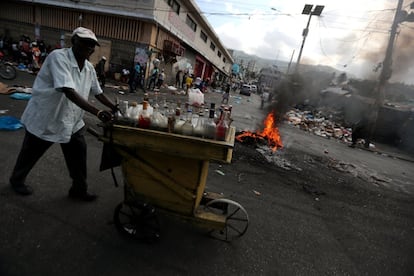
(316, 207)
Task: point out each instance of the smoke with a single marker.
(403, 56)
(374, 52)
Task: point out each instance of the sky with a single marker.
(350, 36)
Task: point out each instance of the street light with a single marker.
(308, 10)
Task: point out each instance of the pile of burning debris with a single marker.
(318, 124)
(270, 135)
(315, 123)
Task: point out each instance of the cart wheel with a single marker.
(237, 219)
(137, 221)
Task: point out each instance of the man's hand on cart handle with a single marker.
(116, 109)
(104, 115)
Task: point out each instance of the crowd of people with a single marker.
(25, 52)
(30, 54)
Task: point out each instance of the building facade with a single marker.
(129, 31)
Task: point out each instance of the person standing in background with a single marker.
(226, 95)
(188, 83)
(183, 81)
(100, 71)
(153, 78)
(178, 79)
(161, 78)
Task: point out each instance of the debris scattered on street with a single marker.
(358, 171)
(276, 158)
(220, 172)
(256, 193)
(318, 125)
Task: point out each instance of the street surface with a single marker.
(316, 207)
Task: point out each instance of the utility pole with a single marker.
(307, 10)
(290, 62)
(386, 71)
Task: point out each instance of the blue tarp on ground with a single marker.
(9, 123)
(20, 96)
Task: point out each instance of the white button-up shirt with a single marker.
(49, 114)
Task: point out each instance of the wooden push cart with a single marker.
(167, 172)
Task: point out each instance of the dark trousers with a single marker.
(101, 79)
(33, 148)
(152, 83)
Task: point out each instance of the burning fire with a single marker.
(270, 133)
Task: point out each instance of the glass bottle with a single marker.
(171, 120)
(144, 117)
(210, 125)
(179, 122)
(155, 119)
(199, 127)
(187, 128)
(133, 113)
(222, 127)
(123, 109)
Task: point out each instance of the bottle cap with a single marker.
(144, 105)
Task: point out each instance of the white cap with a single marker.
(85, 33)
(104, 57)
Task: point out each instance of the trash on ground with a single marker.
(6, 90)
(220, 172)
(256, 193)
(359, 171)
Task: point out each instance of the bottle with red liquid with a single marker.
(222, 127)
(144, 120)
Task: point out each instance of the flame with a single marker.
(270, 132)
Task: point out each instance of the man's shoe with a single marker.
(82, 196)
(22, 189)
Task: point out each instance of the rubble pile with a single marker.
(318, 124)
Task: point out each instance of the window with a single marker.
(219, 54)
(203, 36)
(174, 5)
(191, 23)
(224, 59)
(212, 46)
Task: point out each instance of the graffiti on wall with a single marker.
(141, 55)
